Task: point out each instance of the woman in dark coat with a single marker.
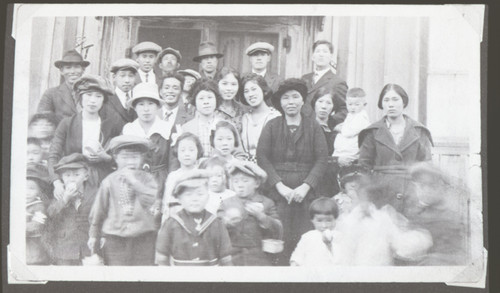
(391, 145)
(292, 150)
(78, 134)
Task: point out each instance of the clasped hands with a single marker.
(298, 194)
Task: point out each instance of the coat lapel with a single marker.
(410, 137)
(325, 79)
(115, 102)
(384, 137)
(64, 92)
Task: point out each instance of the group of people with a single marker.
(180, 167)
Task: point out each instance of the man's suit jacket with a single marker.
(183, 116)
(113, 108)
(58, 100)
(273, 81)
(330, 80)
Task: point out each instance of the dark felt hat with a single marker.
(288, 85)
(207, 49)
(90, 82)
(71, 57)
(73, 161)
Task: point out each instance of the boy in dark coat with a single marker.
(68, 224)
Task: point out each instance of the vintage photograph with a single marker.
(264, 143)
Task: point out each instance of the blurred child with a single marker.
(188, 151)
(43, 126)
(36, 179)
(68, 217)
(193, 236)
(35, 152)
(226, 142)
(250, 217)
(346, 147)
(316, 247)
(217, 183)
(375, 234)
(122, 220)
(350, 180)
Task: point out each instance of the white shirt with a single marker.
(216, 198)
(122, 96)
(159, 126)
(151, 76)
(263, 73)
(346, 142)
(91, 130)
(171, 118)
(318, 74)
(311, 250)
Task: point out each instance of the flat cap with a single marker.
(73, 161)
(90, 82)
(124, 63)
(121, 141)
(146, 47)
(145, 90)
(248, 168)
(190, 72)
(172, 51)
(37, 171)
(191, 179)
(259, 47)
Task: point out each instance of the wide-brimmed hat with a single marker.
(190, 72)
(73, 161)
(71, 57)
(287, 85)
(146, 47)
(172, 51)
(259, 47)
(121, 141)
(124, 63)
(207, 49)
(145, 90)
(191, 179)
(90, 82)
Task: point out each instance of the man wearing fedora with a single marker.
(260, 56)
(124, 72)
(208, 57)
(60, 99)
(146, 55)
(169, 60)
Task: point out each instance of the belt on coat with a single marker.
(293, 166)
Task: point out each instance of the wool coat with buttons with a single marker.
(388, 161)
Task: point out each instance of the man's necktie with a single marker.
(147, 74)
(167, 115)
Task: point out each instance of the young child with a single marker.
(36, 180)
(217, 183)
(316, 247)
(350, 180)
(193, 236)
(122, 213)
(250, 217)
(346, 147)
(188, 151)
(43, 126)
(35, 152)
(226, 142)
(68, 224)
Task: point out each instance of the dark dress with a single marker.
(292, 158)
(329, 185)
(388, 162)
